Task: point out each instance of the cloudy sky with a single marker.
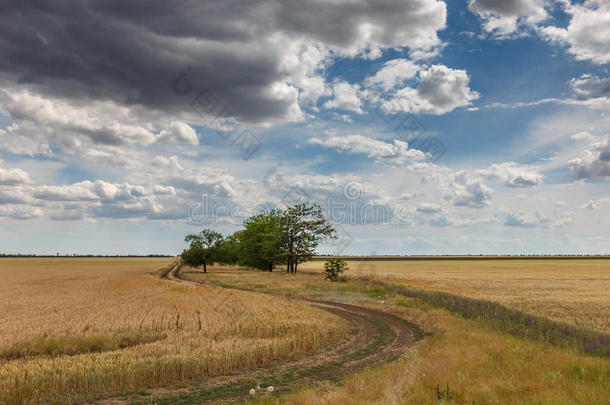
(421, 126)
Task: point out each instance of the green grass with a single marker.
(516, 323)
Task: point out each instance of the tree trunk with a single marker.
(288, 265)
(295, 266)
(270, 267)
(205, 270)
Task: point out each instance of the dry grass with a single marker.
(572, 291)
(77, 329)
(477, 363)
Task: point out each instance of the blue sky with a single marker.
(123, 129)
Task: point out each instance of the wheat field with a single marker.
(79, 329)
(573, 291)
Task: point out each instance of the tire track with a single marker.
(378, 337)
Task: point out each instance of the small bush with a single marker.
(333, 269)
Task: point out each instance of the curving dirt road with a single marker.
(378, 337)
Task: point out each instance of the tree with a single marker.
(260, 243)
(229, 250)
(333, 269)
(289, 236)
(304, 226)
(204, 248)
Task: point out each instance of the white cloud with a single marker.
(588, 33)
(582, 136)
(164, 190)
(13, 176)
(81, 191)
(429, 208)
(512, 174)
(595, 164)
(346, 96)
(439, 91)
(14, 195)
(591, 86)
(594, 204)
(469, 191)
(63, 121)
(398, 152)
(167, 162)
(179, 132)
(20, 211)
(562, 222)
(504, 18)
(393, 73)
(342, 117)
(110, 156)
(520, 219)
(444, 220)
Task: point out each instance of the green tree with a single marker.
(229, 250)
(333, 269)
(303, 227)
(260, 243)
(204, 248)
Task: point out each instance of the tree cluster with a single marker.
(277, 237)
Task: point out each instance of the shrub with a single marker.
(333, 268)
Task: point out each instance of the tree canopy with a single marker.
(276, 237)
(204, 248)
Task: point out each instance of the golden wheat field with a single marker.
(574, 291)
(79, 329)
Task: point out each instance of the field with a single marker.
(573, 291)
(462, 361)
(78, 329)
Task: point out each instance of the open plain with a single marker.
(137, 330)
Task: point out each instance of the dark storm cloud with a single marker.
(130, 51)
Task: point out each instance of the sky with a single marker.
(419, 126)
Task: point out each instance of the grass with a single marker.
(573, 291)
(477, 364)
(511, 321)
(494, 314)
(472, 359)
(78, 329)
